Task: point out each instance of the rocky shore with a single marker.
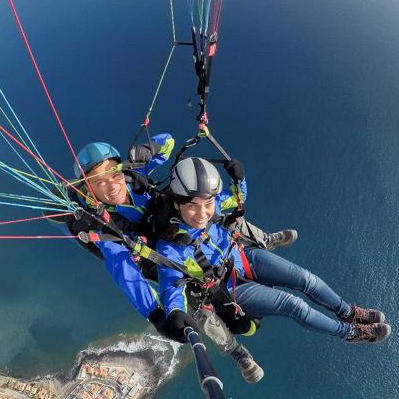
(124, 370)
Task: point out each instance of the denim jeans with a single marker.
(262, 298)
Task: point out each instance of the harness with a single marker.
(88, 219)
(212, 293)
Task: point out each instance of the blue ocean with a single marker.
(305, 93)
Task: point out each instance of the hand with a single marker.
(139, 183)
(142, 152)
(83, 221)
(235, 169)
(177, 321)
(158, 318)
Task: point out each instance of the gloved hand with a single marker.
(82, 221)
(139, 183)
(158, 318)
(177, 321)
(142, 152)
(235, 169)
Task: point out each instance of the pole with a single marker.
(209, 382)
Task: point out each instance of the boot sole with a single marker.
(257, 378)
(293, 239)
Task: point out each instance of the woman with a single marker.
(195, 183)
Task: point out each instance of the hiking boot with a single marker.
(364, 316)
(280, 239)
(372, 333)
(250, 370)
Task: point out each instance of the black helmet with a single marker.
(195, 177)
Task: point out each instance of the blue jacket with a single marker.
(118, 260)
(215, 249)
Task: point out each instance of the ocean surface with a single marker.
(305, 93)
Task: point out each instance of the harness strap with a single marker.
(139, 248)
(234, 281)
(202, 260)
(245, 264)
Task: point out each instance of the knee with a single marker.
(311, 282)
(295, 307)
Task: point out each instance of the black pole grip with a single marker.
(210, 383)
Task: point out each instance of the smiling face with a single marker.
(197, 212)
(108, 184)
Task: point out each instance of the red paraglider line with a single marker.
(56, 215)
(49, 97)
(9, 135)
(34, 237)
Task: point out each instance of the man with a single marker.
(127, 200)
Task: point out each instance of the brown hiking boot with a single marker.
(372, 333)
(364, 316)
(280, 239)
(250, 370)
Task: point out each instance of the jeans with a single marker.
(262, 298)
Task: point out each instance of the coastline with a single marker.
(131, 369)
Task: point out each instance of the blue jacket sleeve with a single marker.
(172, 297)
(129, 278)
(166, 141)
(227, 199)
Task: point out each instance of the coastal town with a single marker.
(93, 381)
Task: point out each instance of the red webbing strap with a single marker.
(96, 237)
(234, 280)
(212, 49)
(245, 264)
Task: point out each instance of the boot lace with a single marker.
(365, 332)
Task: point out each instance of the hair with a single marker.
(164, 211)
(116, 159)
(180, 199)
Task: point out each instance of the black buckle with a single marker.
(78, 213)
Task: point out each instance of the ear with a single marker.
(176, 205)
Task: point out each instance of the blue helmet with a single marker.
(92, 154)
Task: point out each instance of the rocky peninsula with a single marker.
(124, 370)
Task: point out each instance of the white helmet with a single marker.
(196, 177)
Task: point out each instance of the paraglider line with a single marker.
(48, 96)
(40, 161)
(34, 237)
(47, 172)
(36, 218)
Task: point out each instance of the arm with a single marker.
(227, 199)
(172, 297)
(230, 197)
(69, 225)
(164, 143)
(129, 278)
